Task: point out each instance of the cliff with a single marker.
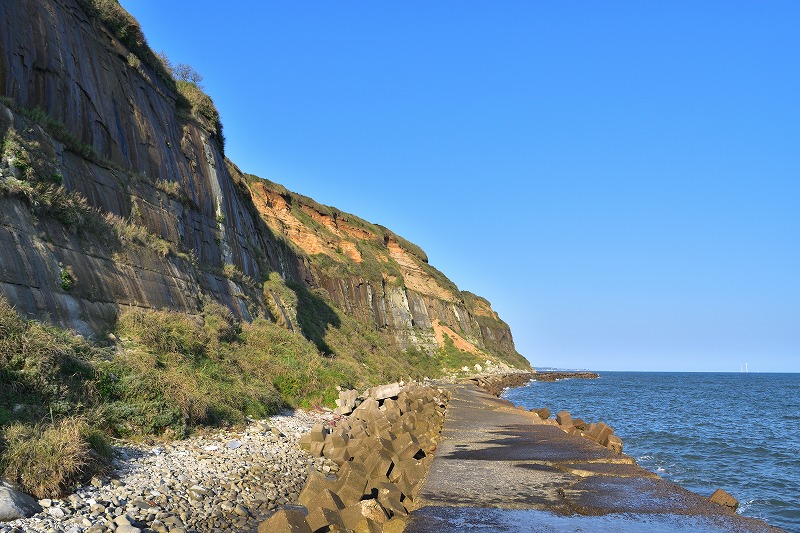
(115, 193)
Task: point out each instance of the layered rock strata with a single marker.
(85, 118)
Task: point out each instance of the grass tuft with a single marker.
(47, 460)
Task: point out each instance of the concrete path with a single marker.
(500, 469)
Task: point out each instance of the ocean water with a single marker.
(735, 431)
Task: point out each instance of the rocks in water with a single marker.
(558, 375)
(15, 504)
(720, 497)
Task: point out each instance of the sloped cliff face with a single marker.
(162, 172)
(113, 196)
(376, 275)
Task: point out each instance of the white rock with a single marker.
(56, 512)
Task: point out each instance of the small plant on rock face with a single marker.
(15, 152)
(67, 279)
(134, 61)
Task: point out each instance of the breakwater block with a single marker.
(544, 413)
(285, 521)
(599, 432)
(564, 420)
(383, 448)
(720, 497)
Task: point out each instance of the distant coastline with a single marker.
(555, 375)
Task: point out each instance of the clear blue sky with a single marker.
(620, 179)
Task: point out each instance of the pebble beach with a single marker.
(217, 481)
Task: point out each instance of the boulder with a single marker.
(720, 497)
(15, 504)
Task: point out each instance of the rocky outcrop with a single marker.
(115, 194)
(377, 276)
(130, 154)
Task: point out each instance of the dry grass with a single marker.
(46, 461)
(164, 332)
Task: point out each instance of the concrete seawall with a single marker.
(500, 468)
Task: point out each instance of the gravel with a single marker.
(218, 481)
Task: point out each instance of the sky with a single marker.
(620, 179)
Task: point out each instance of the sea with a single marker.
(735, 431)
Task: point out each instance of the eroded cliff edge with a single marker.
(115, 193)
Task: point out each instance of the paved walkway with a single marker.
(499, 469)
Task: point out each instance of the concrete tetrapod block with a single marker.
(368, 406)
(602, 433)
(406, 445)
(544, 413)
(614, 444)
(316, 449)
(318, 433)
(377, 464)
(322, 517)
(285, 521)
(564, 419)
(720, 497)
(315, 485)
(326, 499)
(352, 483)
(380, 489)
(391, 407)
(353, 515)
(382, 392)
(368, 526)
(395, 525)
(392, 505)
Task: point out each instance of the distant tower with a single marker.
(745, 368)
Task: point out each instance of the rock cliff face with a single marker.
(113, 193)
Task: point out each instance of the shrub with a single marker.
(46, 461)
(164, 332)
(11, 324)
(67, 280)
